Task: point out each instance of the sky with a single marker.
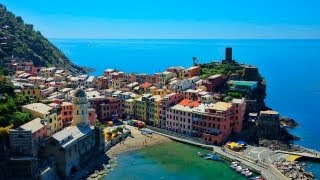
(171, 19)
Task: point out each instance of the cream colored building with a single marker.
(40, 110)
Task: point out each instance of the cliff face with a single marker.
(20, 40)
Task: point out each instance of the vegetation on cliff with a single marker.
(20, 40)
(236, 71)
(10, 106)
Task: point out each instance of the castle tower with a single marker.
(80, 108)
(228, 54)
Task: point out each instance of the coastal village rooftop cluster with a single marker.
(177, 99)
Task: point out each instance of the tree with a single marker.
(120, 129)
(20, 118)
(19, 19)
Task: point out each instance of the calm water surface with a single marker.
(170, 161)
(291, 68)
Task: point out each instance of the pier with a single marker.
(266, 170)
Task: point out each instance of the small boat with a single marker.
(108, 166)
(239, 168)
(234, 162)
(213, 157)
(256, 178)
(233, 166)
(200, 154)
(248, 173)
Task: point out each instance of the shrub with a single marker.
(120, 129)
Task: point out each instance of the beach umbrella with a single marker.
(241, 142)
(233, 145)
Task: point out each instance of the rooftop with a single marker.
(94, 95)
(33, 125)
(221, 106)
(90, 78)
(145, 85)
(38, 107)
(238, 101)
(269, 112)
(71, 134)
(189, 103)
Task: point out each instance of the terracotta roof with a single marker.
(145, 85)
(187, 102)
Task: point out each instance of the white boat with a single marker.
(233, 166)
(239, 168)
(248, 174)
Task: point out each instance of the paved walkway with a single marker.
(264, 169)
(264, 154)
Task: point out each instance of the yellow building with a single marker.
(165, 77)
(162, 91)
(117, 83)
(142, 107)
(40, 110)
(129, 107)
(154, 110)
(33, 92)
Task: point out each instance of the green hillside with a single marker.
(20, 40)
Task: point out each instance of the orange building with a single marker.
(194, 71)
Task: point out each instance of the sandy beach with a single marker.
(137, 141)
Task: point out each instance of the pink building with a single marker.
(117, 75)
(179, 117)
(92, 116)
(66, 114)
(157, 78)
(213, 82)
(215, 122)
(166, 102)
(26, 139)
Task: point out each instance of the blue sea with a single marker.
(291, 68)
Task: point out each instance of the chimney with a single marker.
(228, 54)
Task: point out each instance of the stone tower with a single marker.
(228, 54)
(80, 108)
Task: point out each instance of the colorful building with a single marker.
(215, 122)
(32, 91)
(179, 117)
(194, 71)
(166, 102)
(154, 110)
(129, 108)
(141, 112)
(66, 113)
(165, 77)
(40, 110)
(26, 139)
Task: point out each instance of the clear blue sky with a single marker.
(171, 18)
